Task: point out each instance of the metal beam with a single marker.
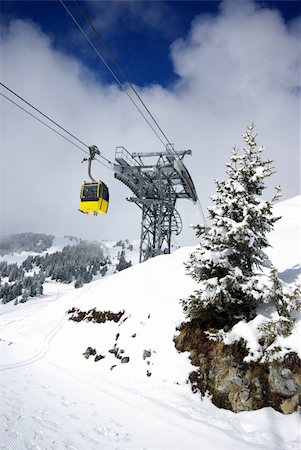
(156, 189)
(149, 154)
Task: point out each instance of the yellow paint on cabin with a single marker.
(93, 207)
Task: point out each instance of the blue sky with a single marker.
(206, 70)
(138, 33)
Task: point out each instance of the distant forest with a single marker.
(25, 242)
(78, 263)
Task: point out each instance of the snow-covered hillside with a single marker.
(110, 249)
(30, 263)
(131, 250)
(58, 244)
(136, 395)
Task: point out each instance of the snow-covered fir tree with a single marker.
(233, 248)
(122, 262)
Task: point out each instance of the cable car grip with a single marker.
(93, 149)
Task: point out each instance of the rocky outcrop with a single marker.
(94, 316)
(235, 384)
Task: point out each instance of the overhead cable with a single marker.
(50, 120)
(51, 128)
(117, 65)
(41, 121)
(40, 112)
(111, 71)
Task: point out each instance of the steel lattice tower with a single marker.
(156, 187)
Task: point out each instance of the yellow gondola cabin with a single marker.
(94, 198)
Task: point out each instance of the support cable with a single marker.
(50, 120)
(201, 212)
(51, 128)
(176, 244)
(117, 65)
(110, 70)
(40, 112)
(44, 123)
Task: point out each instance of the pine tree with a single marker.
(122, 262)
(285, 298)
(25, 295)
(104, 270)
(78, 283)
(234, 245)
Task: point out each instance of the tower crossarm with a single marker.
(188, 185)
(156, 186)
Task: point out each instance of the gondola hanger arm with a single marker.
(93, 149)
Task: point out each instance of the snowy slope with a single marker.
(286, 237)
(130, 255)
(55, 398)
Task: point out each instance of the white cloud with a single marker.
(234, 68)
(113, 15)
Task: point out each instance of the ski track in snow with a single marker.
(53, 414)
(103, 421)
(51, 400)
(55, 423)
(42, 352)
(26, 426)
(48, 434)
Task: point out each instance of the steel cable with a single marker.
(110, 70)
(51, 128)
